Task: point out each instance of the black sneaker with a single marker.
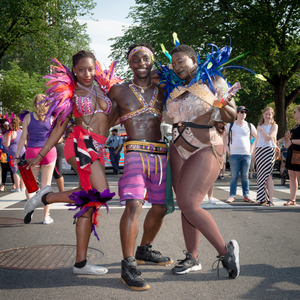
(145, 256)
(231, 261)
(189, 264)
(28, 217)
(131, 276)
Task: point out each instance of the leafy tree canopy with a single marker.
(34, 55)
(18, 89)
(34, 30)
(270, 29)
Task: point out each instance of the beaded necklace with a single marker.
(146, 107)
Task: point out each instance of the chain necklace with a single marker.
(142, 87)
(84, 123)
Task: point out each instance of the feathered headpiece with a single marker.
(168, 78)
(9, 119)
(60, 92)
(23, 114)
(5, 119)
(166, 74)
(216, 61)
(62, 88)
(106, 78)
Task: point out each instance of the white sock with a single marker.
(211, 200)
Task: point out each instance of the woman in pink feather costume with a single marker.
(75, 93)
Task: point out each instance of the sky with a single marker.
(111, 16)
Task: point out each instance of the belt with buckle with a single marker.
(145, 146)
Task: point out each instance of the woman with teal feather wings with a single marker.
(198, 97)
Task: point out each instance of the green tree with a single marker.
(33, 54)
(18, 88)
(267, 28)
(41, 24)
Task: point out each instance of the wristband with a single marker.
(41, 155)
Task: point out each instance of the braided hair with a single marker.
(78, 56)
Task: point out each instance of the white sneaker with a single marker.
(48, 220)
(23, 189)
(211, 200)
(36, 201)
(15, 190)
(230, 199)
(90, 269)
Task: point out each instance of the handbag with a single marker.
(3, 158)
(295, 158)
(277, 152)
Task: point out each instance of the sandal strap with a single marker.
(290, 202)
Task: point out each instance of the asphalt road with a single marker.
(269, 252)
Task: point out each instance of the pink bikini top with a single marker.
(84, 106)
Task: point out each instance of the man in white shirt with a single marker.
(240, 150)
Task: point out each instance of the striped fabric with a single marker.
(265, 160)
(135, 178)
(86, 152)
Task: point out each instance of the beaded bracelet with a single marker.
(41, 155)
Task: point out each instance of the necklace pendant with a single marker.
(87, 127)
(142, 91)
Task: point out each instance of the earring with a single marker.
(75, 74)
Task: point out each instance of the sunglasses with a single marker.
(243, 112)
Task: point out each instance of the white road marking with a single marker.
(252, 194)
(13, 198)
